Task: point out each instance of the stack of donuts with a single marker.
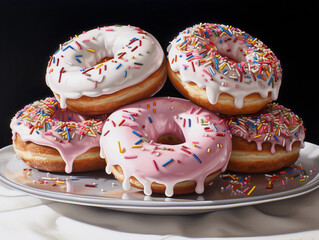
(103, 114)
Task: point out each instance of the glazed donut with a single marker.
(165, 145)
(265, 141)
(55, 140)
(224, 69)
(105, 68)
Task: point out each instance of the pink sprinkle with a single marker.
(130, 157)
(48, 133)
(155, 165)
(222, 120)
(191, 110)
(86, 40)
(109, 29)
(198, 110)
(95, 84)
(283, 182)
(246, 189)
(136, 67)
(127, 117)
(151, 142)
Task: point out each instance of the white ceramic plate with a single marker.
(102, 190)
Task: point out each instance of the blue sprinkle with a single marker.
(189, 122)
(132, 118)
(276, 138)
(190, 57)
(296, 134)
(78, 55)
(178, 40)
(125, 73)
(137, 134)
(194, 155)
(169, 161)
(139, 141)
(70, 117)
(211, 71)
(118, 66)
(216, 63)
(215, 128)
(67, 48)
(78, 60)
(150, 119)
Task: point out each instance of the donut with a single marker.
(51, 139)
(100, 70)
(165, 145)
(224, 69)
(265, 141)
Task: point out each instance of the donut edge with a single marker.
(108, 103)
(245, 157)
(48, 159)
(225, 104)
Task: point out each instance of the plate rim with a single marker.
(142, 205)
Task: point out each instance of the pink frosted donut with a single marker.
(265, 141)
(55, 140)
(165, 145)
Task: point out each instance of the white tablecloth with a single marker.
(27, 217)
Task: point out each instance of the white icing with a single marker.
(232, 62)
(65, 69)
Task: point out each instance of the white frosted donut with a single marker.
(136, 143)
(78, 70)
(224, 68)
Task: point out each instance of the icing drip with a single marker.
(130, 134)
(224, 59)
(45, 123)
(73, 70)
(274, 124)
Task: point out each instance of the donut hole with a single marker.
(231, 49)
(170, 139)
(103, 60)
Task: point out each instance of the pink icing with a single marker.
(41, 121)
(207, 143)
(274, 124)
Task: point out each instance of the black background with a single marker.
(31, 32)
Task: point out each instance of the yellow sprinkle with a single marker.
(120, 148)
(233, 178)
(137, 146)
(208, 150)
(251, 190)
(96, 124)
(98, 66)
(59, 182)
(259, 126)
(257, 136)
(90, 50)
(254, 40)
(91, 130)
(222, 66)
(267, 73)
